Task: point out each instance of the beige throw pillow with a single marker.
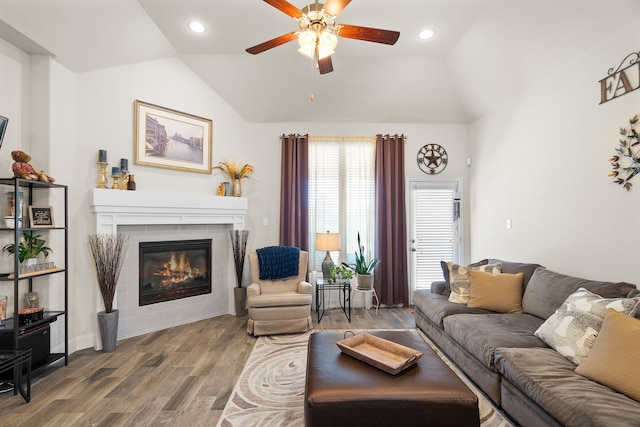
(497, 292)
(459, 277)
(613, 360)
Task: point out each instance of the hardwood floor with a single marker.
(180, 376)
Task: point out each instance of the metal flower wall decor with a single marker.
(626, 162)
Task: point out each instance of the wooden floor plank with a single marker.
(178, 376)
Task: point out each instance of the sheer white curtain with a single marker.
(341, 194)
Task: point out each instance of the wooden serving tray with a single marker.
(383, 354)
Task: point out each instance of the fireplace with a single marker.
(174, 269)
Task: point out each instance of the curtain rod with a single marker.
(350, 136)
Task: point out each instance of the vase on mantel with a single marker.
(236, 188)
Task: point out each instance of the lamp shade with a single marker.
(327, 241)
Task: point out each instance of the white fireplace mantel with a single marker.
(115, 208)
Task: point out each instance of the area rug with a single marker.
(270, 391)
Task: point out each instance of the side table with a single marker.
(17, 360)
(368, 295)
(344, 296)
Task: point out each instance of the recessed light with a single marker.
(426, 34)
(197, 27)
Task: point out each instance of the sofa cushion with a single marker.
(481, 334)
(444, 265)
(547, 290)
(436, 307)
(459, 277)
(613, 361)
(526, 269)
(283, 299)
(496, 292)
(548, 379)
(573, 328)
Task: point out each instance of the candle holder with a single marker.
(102, 175)
(116, 179)
(122, 184)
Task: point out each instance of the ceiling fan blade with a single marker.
(286, 7)
(270, 44)
(334, 7)
(368, 34)
(325, 65)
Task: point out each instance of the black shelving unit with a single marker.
(13, 334)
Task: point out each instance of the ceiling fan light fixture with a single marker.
(326, 41)
(307, 42)
(327, 44)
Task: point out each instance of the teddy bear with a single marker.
(23, 169)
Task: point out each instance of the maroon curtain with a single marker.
(294, 190)
(390, 277)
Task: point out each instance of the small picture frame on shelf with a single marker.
(41, 217)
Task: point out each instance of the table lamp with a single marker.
(327, 242)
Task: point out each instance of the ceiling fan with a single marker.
(318, 31)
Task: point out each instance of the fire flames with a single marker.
(176, 270)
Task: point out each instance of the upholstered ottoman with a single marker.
(341, 390)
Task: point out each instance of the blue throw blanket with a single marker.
(278, 262)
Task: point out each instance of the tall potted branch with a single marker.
(107, 253)
(363, 268)
(239, 244)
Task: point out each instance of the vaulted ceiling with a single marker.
(483, 51)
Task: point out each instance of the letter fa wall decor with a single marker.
(621, 80)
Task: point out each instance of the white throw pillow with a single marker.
(573, 328)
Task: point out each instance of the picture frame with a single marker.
(41, 217)
(171, 139)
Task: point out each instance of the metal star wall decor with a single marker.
(626, 162)
(432, 159)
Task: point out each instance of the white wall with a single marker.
(542, 160)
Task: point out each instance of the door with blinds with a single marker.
(435, 229)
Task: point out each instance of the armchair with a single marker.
(280, 305)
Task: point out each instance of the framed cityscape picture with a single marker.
(171, 139)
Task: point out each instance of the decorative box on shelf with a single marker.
(29, 315)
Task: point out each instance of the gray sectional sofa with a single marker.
(532, 383)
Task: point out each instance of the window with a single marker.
(341, 194)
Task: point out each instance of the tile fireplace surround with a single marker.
(155, 216)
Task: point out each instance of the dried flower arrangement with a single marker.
(626, 162)
(107, 253)
(233, 169)
(239, 243)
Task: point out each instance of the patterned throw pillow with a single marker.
(459, 277)
(444, 265)
(573, 328)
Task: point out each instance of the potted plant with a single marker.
(107, 254)
(340, 273)
(239, 244)
(363, 268)
(29, 247)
